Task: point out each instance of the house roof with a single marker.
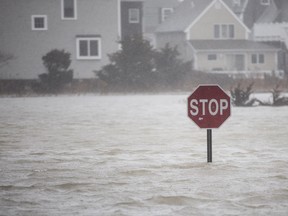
(233, 45)
(184, 15)
(237, 8)
(270, 14)
(282, 5)
(187, 14)
(254, 9)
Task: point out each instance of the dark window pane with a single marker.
(231, 31)
(224, 31)
(94, 48)
(69, 8)
(261, 59)
(254, 58)
(216, 31)
(212, 57)
(83, 48)
(39, 22)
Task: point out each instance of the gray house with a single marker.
(155, 12)
(88, 29)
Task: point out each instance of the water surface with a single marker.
(138, 155)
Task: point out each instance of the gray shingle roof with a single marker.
(227, 45)
(270, 14)
(184, 15)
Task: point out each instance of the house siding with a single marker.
(224, 62)
(152, 16)
(175, 39)
(152, 13)
(197, 32)
(27, 47)
(268, 65)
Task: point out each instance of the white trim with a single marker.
(163, 10)
(265, 2)
(258, 58)
(199, 16)
(89, 57)
(137, 20)
(195, 58)
(119, 22)
(209, 7)
(75, 11)
(237, 50)
(33, 22)
(237, 18)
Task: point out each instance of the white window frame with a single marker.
(164, 16)
(130, 15)
(257, 55)
(265, 2)
(63, 11)
(88, 39)
(221, 28)
(33, 17)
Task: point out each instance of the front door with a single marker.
(239, 62)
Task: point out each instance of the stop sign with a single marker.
(208, 106)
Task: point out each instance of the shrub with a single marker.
(139, 67)
(58, 74)
(241, 96)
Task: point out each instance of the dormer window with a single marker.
(165, 13)
(265, 2)
(224, 31)
(237, 3)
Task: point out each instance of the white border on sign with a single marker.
(223, 91)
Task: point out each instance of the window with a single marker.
(134, 15)
(212, 57)
(224, 31)
(39, 22)
(69, 9)
(88, 47)
(265, 2)
(237, 3)
(165, 13)
(216, 31)
(257, 59)
(231, 31)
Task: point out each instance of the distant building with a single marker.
(88, 29)
(211, 34)
(220, 36)
(272, 28)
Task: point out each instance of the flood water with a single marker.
(138, 155)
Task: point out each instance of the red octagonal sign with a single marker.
(208, 106)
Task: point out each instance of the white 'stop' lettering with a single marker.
(211, 107)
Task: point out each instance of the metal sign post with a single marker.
(209, 107)
(209, 145)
